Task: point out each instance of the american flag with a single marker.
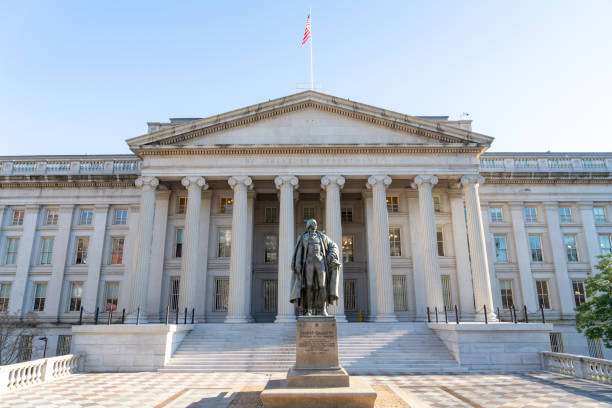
(307, 31)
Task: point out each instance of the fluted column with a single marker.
(369, 229)
(237, 309)
(333, 229)
(286, 244)
(478, 250)
(382, 253)
(142, 250)
(431, 262)
(462, 257)
(190, 258)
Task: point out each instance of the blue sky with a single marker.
(82, 76)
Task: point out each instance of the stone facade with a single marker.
(200, 216)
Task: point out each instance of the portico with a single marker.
(251, 176)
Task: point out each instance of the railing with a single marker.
(588, 368)
(15, 376)
(69, 167)
(545, 163)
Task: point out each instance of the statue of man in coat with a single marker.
(314, 282)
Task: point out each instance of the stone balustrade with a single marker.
(504, 162)
(15, 376)
(588, 368)
(81, 166)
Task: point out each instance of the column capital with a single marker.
(145, 182)
(195, 181)
(516, 205)
(292, 181)
(235, 181)
(585, 205)
(425, 179)
(383, 180)
(472, 179)
(328, 180)
(551, 204)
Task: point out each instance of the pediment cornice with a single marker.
(439, 133)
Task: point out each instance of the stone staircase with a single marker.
(365, 348)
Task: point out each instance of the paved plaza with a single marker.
(199, 390)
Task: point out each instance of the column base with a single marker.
(285, 319)
(479, 317)
(237, 319)
(341, 318)
(385, 318)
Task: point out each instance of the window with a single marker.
(5, 295)
(25, 348)
(181, 205)
(392, 204)
(440, 240)
(347, 214)
(174, 293)
(46, 250)
(76, 296)
(505, 287)
(496, 215)
(12, 244)
(579, 292)
(350, 298)
(63, 345)
(51, 216)
(501, 253)
(535, 246)
(395, 241)
(570, 248)
(40, 295)
(225, 206)
(531, 215)
(86, 216)
(120, 216)
(556, 342)
(178, 246)
(117, 250)
(269, 296)
(221, 291)
(604, 244)
(565, 215)
(81, 250)
(271, 215)
(598, 212)
(111, 296)
(595, 348)
(446, 291)
(400, 303)
(270, 248)
(542, 292)
(308, 212)
(436, 203)
(224, 246)
(17, 216)
(347, 249)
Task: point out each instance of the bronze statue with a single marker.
(315, 264)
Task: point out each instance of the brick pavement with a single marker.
(203, 390)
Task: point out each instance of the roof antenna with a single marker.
(464, 115)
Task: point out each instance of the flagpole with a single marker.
(311, 75)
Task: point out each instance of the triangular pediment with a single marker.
(309, 118)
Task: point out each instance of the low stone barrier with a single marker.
(15, 376)
(127, 347)
(495, 346)
(588, 368)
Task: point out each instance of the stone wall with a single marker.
(495, 346)
(127, 347)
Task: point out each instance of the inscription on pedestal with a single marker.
(317, 343)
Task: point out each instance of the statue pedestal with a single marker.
(317, 379)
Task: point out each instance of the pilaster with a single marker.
(523, 256)
(94, 258)
(61, 244)
(590, 233)
(24, 258)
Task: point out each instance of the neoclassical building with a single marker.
(205, 214)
